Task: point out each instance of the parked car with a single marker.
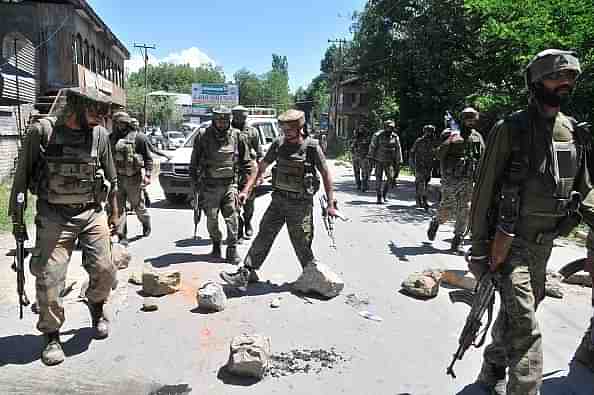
(156, 138)
(174, 175)
(174, 139)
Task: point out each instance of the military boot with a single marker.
(100, 323)
(433, 226)
(379, 198)
(385, 193)
(492, 379)
(365, 186)
(456, 243)
(232, 255)
(358, 185)
(249, 231)
(241, 278)
(216, 249)
(425, 203)
(52, 353)
(146, 229)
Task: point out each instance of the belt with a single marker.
(292, 195)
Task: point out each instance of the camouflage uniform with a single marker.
(359, 150)
(532, 163)
(133, 161)
(217, 156)
(70, 172)
(422, 153)
(385, 150)
(459, 156)
(251, 135)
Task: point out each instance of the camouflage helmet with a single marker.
(221, 112)
(122, 117)
(77, 101)
(470, 113)
(550, 61)
(428, 129)
(292, 116)
(240, 109)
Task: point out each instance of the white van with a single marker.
(174, 175)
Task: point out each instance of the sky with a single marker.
(232, 34)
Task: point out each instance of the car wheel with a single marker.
(175, 198)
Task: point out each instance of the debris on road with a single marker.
(276, 302)
(161, 283)
(320, 279)
(355, 301)
(120, 256)
(553, 287)
(250, 356)
(135, 278)
(370, 316)
(211, 297)
(460, 278)
(423, 285)
(303, 361)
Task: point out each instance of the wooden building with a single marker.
(48, 45)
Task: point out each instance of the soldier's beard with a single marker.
(553, 98)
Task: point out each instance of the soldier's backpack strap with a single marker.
(95, 142)
(519, 163)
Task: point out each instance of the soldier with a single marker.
(134, 165)
(295, 181)
(217, 157)
(459, 154)
(359, 150)
(69, 167)
(533, 172)
(422, 153)
(240, 114)
(386, 152)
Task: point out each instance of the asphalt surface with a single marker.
(180, 350)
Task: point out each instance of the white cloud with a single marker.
(192, 56)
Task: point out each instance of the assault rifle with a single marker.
(20, 235)
(481, 302)
(329, 220)
(197, 211)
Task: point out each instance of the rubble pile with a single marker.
(303, 361)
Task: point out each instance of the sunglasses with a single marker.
(562, 75)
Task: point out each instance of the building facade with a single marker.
(349, 101)
(46, 46)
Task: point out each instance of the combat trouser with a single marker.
(130, 189)
(422, 178)
(298, 215)
(220, 197)
(391, 170)
(361, 170)
(456, 195)
(517, 341)
(58, 227)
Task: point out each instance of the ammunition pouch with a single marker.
(509, 208)
(571, 219)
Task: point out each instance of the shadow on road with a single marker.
(167, 205)
(402, 253)
(20, 349)
(230, 379)
(79, 343)
(181, 257)
(257, 289)
(191, 242)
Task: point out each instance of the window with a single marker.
(86, 55)
(93, 60)
(79, 49)
(266, 132)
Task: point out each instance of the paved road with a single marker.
(178, 348)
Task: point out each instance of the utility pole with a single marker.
(338, 69)
(18, 92)
(146, 48)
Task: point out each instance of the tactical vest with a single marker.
(388, 147)
(531, 197)
(72, 168)
(127, 161)
(362, 141)
(220, 163)
(463, 156)
(296, 173)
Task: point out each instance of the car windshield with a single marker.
(190, 141)
(175, 135)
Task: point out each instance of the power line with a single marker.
(146, 48)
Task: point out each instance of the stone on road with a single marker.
(249, 355)
(320, 279)
(211, 297)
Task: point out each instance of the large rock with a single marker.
(424, 285)
(318, 278)
(250, 355)
(161, 283)
(120, 256)
(211, 297)
(459, 279)
(581, 278)
(553, 287)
